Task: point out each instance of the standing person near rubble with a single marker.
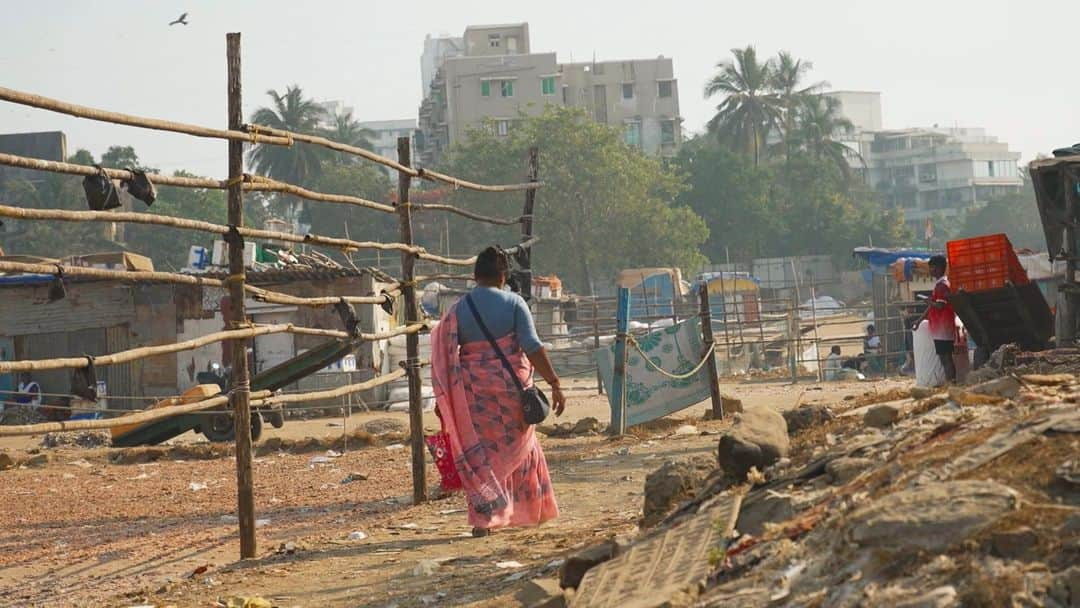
(942, 317)
(496, 453)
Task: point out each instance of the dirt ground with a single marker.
(81, 530)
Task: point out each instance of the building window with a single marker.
(990, 168)
(506, 88)
(502, 127)
(632, 134)
(485, 88)
(547, 85)
(493, 40)
(565, 88)
(628, 91)
(667, 132)
(663, 88)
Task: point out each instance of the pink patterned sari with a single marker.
(498, 457)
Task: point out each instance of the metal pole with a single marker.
(707, 338)
(617, 398)
(817, 341)
(412, 341)
(596, 343)
(240, 389)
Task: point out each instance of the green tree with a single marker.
(297, 164)
(1015, 214)
(604, 205)
(819, 123)
(123, 157)
(750, 107)
(348, 131)
(789, 74)
(330, 219)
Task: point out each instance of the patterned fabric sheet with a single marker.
(650, 394)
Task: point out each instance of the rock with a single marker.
(942, 597)
(686, 430)
(6, 461)
(586, 426)
(771, 508)
(1065, 587)
(930, 517)
(576, 566)
(672, 483)
(1006, 387)
(538, 591)
(881, 416)
(1069, 473)
(844, 469)
(805, 417)
(38, 460)
(758, 438)
(924, 392)
(290, 548)
(426, 567)
(357, 535)
(1014, 544)
(385, 426)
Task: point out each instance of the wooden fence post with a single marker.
(617, 398)
(412, 341)
(240, 392)
(707, 337)
(524, 256)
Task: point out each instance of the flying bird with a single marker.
(181, 19)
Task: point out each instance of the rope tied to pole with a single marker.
(697, 368)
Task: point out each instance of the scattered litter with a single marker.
(319, 460)
(517, 576)
(509, 565)
(351, 477)
(358, 535)
(333, 454)
(685, 430)
(230, 519)
(246, 602)
(197, 571)
(259, 523)
(195, 486)
(336, 425)
(139, 476)
(81, 463)
(452, 511)
(396, 446)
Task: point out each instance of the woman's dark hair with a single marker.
(938, 261)
(835, 349)
(492, 264)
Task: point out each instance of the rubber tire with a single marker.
(224, 435)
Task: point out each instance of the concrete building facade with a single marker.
(499, 78)
(926, 172)
(385, 136)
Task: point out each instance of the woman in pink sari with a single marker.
(497, 456)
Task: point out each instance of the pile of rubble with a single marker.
(969, 496)
(14, 414)
(82, 439)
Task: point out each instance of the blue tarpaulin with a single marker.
(880, 259)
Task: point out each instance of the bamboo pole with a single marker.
(64, 215)
(399, 166)
(54, 105)
(133, 276)
(240, 388)
(254, 183)
(469, 214)
(412, 342)
(258, 398)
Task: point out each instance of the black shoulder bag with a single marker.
(533, 401)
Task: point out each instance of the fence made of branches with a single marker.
(239, 396)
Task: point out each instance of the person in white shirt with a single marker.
(832, 363)
(29, 391)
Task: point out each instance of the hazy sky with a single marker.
(997, 64)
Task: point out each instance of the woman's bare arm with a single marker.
(540, 360)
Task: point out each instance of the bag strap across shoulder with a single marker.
(494, 344)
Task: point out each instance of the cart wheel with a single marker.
(275, 418)
(256, 426)
(220, 428)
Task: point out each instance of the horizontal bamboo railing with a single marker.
(143, 352)
(256, 134)
(258, 399)
(133, 276)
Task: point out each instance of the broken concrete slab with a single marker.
(756, 512)
(930, 517)
(1007, 387)
(538, 592)
(758, 438)
(576, 566)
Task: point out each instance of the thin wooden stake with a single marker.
(412, 341)
(240, 391)
(707, 338)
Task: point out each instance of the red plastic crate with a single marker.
(982, 263)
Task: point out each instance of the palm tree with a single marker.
(788, 75)
(297, 164)
(750, 107)
(820, 122)
(347, 131)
